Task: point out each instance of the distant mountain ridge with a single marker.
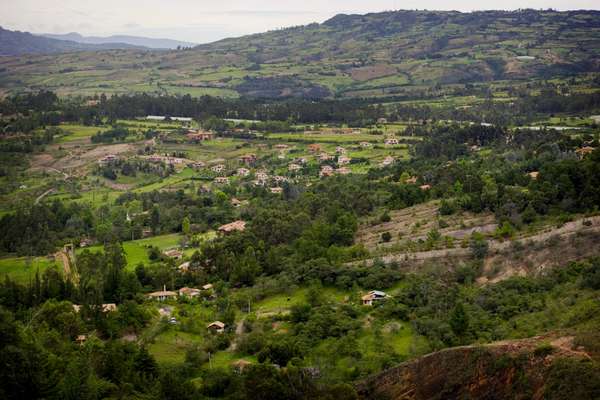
(152, 43)
(373, 55)
(14, 43)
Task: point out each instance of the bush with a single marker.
(543, 350)
(479, 246)
(386, 237)
(573, 379)
(447, 208)
(385, 217)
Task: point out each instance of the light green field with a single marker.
(23, 269)
(77, 132)
(326, 137)
(282, 302)
(169, 347)
(136, 251)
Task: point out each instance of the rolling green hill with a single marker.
(348, 55)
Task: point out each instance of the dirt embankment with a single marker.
(77, 157)
(533, 254)
(502, 370)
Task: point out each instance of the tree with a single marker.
(386, 237)
(185, 226)
(459, 320)
(479, 246)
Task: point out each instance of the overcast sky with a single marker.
(202, 21)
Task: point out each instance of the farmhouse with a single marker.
(243, 172)
(281, 146)
(189, 292)
(235, 202)
(240, 365)
(425, 187)
(81, 339)
(162, 295)
(197, 165)
(248, 159)
(391, 141)
(279, 178)
(277, 190)
(326, 171)
(583, 151)
(294, 167)
(314, 148)
(343, 160)
(199, 135)
(174, 253)
(412, 180)
(340, 150)
(325, 157)
(373, 296)
(221, 180)
(108, 307)
(389, 160)
(184, 267)
(534, 174)
(217, 327)
(218, 168)
(382, 120)
(208, 286)
(85, 242)
(155, 158)
(238, 226)
(262, 176)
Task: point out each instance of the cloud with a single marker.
(267, 13)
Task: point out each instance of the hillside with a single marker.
(152, 43)
(14, 43)
(349, 55)
(535, 368)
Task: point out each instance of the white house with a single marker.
(373, 296)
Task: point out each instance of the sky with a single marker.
(203, 21)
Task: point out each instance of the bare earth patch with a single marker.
(372, 72)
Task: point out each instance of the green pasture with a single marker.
(23, 269)
(136, 251)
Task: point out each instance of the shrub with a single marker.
(386, 237)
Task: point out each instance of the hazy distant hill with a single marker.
(19, 43)
(349, 55)
(131, 40)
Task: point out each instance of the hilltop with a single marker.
(138, 41)
(14, 43)
(348, 55)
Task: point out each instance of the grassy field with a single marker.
(282, 302)
(169, 347)
(136, 251)
(78, 132)
(23, 269)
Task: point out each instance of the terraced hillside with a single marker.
(351, 55)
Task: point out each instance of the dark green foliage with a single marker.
(478, 245)
(116, 134)
(386, 237)
(573, 379)
(459, 320)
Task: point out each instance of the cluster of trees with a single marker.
(115, 134)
